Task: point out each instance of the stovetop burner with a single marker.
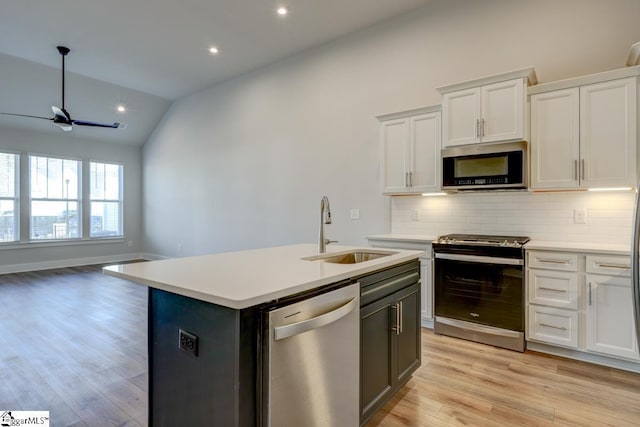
(483, 240)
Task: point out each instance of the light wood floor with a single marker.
(73, 341)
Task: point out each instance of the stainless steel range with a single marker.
(479, 288)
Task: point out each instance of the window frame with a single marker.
(16, 196)
(120, 200)
(78, 200)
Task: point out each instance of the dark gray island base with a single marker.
(216, 379)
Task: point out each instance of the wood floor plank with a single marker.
(77, 346)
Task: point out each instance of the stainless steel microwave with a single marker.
(485, 166)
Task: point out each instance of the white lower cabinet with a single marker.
(426, 276)
(553, 325)
(581, 302)
(609, 328)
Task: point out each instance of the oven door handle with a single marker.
(481, 259)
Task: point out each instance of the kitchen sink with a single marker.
(352, 257)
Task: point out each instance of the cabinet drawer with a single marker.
(555, 288)
(610, 265)
(553, 326)
(553, 260)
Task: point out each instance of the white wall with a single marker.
(244, 164)
(38, 255)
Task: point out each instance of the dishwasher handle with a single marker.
(282, 332)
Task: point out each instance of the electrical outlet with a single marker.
(188, 342)
(179, 248)
(415, 215)
(579, 216)
(355, 213)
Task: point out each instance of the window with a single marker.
(55, 201)
(106, 199)
(8, 197)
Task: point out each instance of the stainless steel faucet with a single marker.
(325, 218)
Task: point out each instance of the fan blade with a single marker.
(26, 115)
(94, 124)
(64, 126)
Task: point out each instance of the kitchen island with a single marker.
(206, 329)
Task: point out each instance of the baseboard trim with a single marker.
(584, 357)
(73, 262)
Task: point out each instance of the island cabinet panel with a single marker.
(389, 334)
(218, 385)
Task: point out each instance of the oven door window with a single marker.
(489, 294)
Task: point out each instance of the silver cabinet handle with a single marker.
(560, 328)
(401, 316)
(553, 261)
(477, 128)
(589, 293)
(397, 326)
(482, 129)
(575, 170)
(553, 290)
(605, 265)
(582, 172)
(324, 319)
(406, 179)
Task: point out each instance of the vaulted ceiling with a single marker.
(144, 54)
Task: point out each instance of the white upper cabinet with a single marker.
(608, 134)
(584, 132)
(461, 114)
(503, 110)
(490, 109)
(394, 159)
(410, 151)
(555, 139)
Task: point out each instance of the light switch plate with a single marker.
(415, 215)
(579, 216)
(355, 213)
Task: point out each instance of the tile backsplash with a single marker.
(541, 216)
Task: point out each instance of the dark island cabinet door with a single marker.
(376, 376)
(408, 337)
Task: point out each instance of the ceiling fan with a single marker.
(61, 117)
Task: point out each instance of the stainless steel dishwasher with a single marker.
(312, 365)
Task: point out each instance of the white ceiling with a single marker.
(147, 53)
(161, 46)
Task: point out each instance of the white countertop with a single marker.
(542, 245)
(421, 238)
(609, 248)
(243, 279)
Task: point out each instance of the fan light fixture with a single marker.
(61, 117)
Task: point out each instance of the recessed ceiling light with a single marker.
(282, 11)
(213, 50)
(121, 108)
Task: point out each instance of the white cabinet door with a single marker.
(609, 316)
(555, 139)
(394, 158)
(502, 111)
(461, 117)
(425, 144)
(553, 326)
(554, 288)
(608, 133)
(426, 277)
